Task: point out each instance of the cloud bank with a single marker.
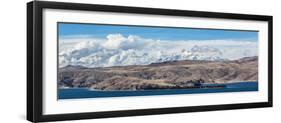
(119, 50)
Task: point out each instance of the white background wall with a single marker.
(13, 61)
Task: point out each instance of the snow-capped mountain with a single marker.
(118, 50)
(196, 53)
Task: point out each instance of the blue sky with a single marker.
(67, 30)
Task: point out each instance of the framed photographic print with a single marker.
(96, 61)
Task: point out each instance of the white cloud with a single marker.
(118, 50)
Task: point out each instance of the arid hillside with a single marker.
(174, 74)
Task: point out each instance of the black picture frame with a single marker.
(35, 69)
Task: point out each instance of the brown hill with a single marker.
(176, 74)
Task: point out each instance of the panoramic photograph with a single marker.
(104, 60)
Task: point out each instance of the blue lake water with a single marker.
(76, 93)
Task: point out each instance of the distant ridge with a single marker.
(74, 67)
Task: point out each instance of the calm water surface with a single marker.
(76, 93)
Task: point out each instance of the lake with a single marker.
(77, 93)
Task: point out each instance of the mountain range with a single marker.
(120, 50)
